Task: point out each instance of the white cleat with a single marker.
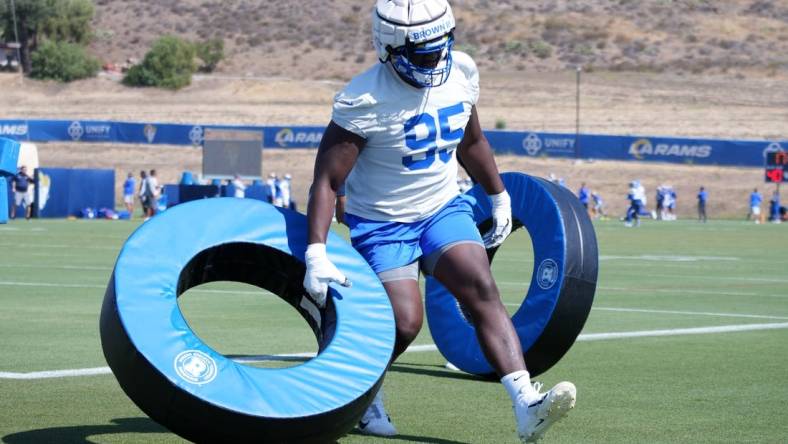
(533, 420)
(376, 421)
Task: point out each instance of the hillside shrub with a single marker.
(540, 48)
(210, 52)
(169, 64)
(62, 61)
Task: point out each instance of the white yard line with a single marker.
(502, 283)
(677, 312)
(57, 267)
(681, 331)
(47, 285)
(661, 290)
(668, 258)
(431, 347)
(690, 313)
(711, 277)
(57, 373)
(699, 292)
(662, 258)
(75, 246)
(104, 287)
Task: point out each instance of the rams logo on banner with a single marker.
(637, 148)
(150, 133)
(287, 137)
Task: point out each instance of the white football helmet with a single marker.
(416, 36)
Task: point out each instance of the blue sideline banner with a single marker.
(149, 133)
(535, 144)
(638, 148)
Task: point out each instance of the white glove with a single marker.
(502, 220)
(320, 272)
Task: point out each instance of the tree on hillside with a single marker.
(210, 52)
(63, 20)
(169, 64)
(3, 9)
(63, 61)
(69, 21)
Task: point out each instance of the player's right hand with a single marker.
(320, 272)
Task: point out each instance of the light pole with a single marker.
(17, 45)
(579, 70)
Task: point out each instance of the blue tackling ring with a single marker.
(561, 291)
(201, 395)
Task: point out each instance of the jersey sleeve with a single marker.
(354, 111)
(468, 67)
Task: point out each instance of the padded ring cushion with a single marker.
(9, 155)
(561, 291)
(198, 393)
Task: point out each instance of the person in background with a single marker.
(270, 186)
(774, 208)
(23, 192)
(584, 194)
(659, 211)
(154, 192)
(278, 192)
(239, 187)
(556, 180)
(599, 206)
(668, 203)
(637, 200)
(284, 190)
(755, 206)
(703, 197)
(143, 193)
(129, 188)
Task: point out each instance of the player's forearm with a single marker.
(480, 163)
(320, 210)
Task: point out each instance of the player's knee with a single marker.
(409, 327)
(481, 289)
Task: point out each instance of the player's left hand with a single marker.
(502, 220)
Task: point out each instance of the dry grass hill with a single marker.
(330, 38)
(655, 67)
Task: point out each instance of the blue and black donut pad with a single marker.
(203, 396)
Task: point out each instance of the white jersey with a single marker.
(638, 193)
(407, 170)
(284, 187)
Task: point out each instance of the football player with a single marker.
(393, 140)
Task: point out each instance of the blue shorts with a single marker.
(390, 245)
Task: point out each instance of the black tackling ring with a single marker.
(561, 291)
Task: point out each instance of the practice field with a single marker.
(687, 341)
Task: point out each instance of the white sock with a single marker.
(519, 383)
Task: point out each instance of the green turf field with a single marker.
(696, 383)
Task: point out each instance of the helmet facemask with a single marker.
(424, 65)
